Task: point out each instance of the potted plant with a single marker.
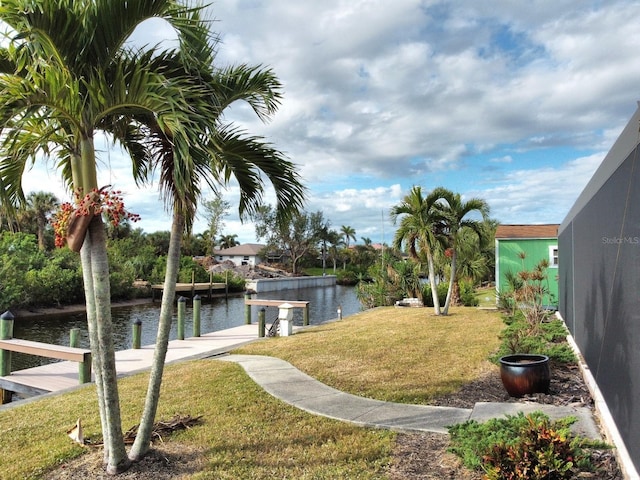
(524, 368)
(525, 373)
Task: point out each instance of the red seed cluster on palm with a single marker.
(60, 223)
(112, 205)
(97, 202)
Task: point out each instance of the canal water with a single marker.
(216, 314)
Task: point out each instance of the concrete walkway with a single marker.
(284, 381)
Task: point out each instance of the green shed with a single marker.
(537, 242)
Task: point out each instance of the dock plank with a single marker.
(276, 303)
(60, 352)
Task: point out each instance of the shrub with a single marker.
(53, 285)
(121, 281)
(442, 288)
(19, 254)
(346, 277)
(548, 339)
(189, 269)
(468, 294)
(236, 282)
(389, 283)
(522, 447)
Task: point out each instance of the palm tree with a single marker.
(335, 240)
(348, 233)
(41, 204)
(475, 258)
(66, 74)
(455, 212)
(219, 151)
(420, 228)
(228, 241)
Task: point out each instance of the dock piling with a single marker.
(182, 306)
(137, 333)
(197, 303)
(6, 333)
(247, 309)
(305, 316)
(261, 322)
(74, 337)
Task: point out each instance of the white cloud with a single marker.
(487, 99)
(533, 195)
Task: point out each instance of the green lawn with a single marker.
(399, 354)
(487, 297)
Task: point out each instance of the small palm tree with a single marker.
(421, 227)
(348, 233)
(455, 212)
(41, 204)
(216, 153)
(228, 241)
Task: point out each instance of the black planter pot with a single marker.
(525, 373)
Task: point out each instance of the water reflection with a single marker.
(216, 314)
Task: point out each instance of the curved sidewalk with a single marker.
(284, 381)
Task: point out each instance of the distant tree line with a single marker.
(432, 234)
(35, 273)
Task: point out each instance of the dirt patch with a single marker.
(424, 456)
(171, 460)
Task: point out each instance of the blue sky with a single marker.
(516, 103)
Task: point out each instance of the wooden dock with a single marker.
(192, 288)
(63, 375)
(303, 304)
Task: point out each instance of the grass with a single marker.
(486, 297)
(404, 355)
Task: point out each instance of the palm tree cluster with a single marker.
(32, 218)
(68, 72)
(437, 229)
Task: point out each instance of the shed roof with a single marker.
(244, 249)
(527, 231)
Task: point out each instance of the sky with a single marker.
(513, 102)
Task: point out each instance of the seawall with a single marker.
(289, 283)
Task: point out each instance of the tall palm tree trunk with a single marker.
(445, 310)
(98, 299)
(432, 282)
(92, 325)
(41, 223)
(117, 460)
(143, 438)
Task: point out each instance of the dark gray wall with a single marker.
(599, 284)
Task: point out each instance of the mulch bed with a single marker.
(425, 456)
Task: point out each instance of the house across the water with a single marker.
(246, 254)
